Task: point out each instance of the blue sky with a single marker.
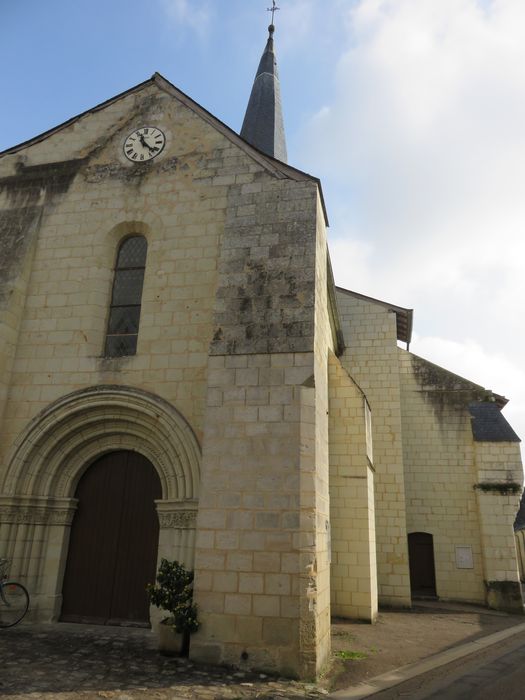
(410, 111)
(77, 54)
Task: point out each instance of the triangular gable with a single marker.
(275, 167)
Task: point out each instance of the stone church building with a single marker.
(180, 377)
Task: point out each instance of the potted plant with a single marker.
(173, 593)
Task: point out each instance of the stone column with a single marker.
(177, 521)
(34, 536)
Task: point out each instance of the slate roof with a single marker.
(263, 125)
(489, 424)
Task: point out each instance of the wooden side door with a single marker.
(421, 560)
(113, 544)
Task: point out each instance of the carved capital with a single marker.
(179, 519)
(178, 515)
(37, 513)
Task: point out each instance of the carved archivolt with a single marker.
(51, 455)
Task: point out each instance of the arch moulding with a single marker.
(60, 443)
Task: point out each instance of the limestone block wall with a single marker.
(320, 503)
(262, 581)
(179, 203)
(497, 464)
(228, 348)
(371, 360)
(443, 464)
(86, 197)
(251, 553)
(16, 254)
(66, 202)
(440, 475)
(354, 566)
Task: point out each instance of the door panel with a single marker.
(421, 559)
(113, 544)
(137, 559)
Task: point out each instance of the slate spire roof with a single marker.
(263, 125)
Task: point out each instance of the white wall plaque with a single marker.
(464, 558)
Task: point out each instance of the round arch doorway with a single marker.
(113, 544)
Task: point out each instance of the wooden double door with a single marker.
(114, 541)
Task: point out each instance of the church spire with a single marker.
(263, 124)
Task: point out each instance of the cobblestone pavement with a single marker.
(77, 662)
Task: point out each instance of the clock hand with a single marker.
(143, 141)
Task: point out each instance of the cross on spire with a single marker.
(263, 125)
(273, 9)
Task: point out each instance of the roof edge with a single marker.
(45, 134)
(500, 400)
(405, 317)
(275, 166)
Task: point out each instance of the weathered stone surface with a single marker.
(266, 282)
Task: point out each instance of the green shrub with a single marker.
(173, 593)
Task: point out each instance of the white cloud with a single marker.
(493, 371)
(195, 14)
(425, 132)
(352, 261)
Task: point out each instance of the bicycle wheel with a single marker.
(14, 603)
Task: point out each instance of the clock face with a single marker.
(144, 144)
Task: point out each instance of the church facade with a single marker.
(181, 378)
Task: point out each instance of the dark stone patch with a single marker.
(115, 171)
(447, 392)
(266, 287)
(502, 488)
(505, 596)
(28, 192)
(17, 228)
(170, 164)
(32, 181)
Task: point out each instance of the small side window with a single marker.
(124, 312)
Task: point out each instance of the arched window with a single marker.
(124, 312)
